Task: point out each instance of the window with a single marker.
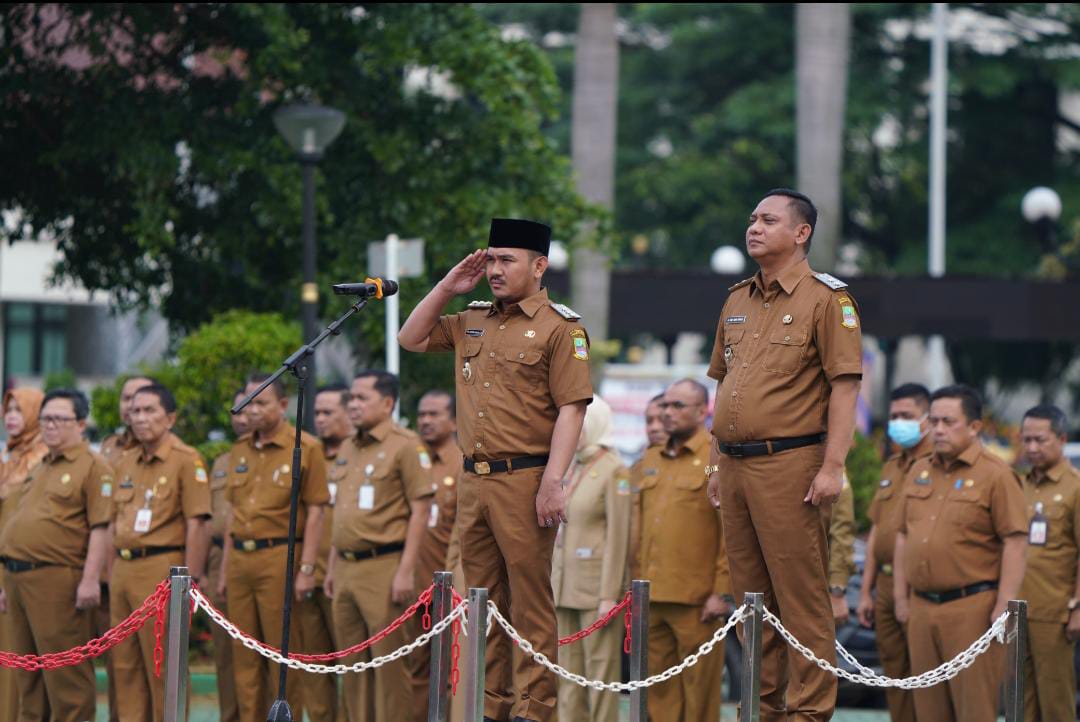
(35, 339)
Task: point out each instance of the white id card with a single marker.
(142, 521)
(433, 516)
(1037, 533)
(584, 553)
(367, 497)
(333, 492)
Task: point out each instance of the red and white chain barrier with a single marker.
(603, 622)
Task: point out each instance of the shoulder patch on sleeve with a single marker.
(200, 474)
(480, 304)
(831, 281)
(425, 458)
(740, 284)
(565, 311)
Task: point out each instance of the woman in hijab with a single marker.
(24, 450)
(589, 566)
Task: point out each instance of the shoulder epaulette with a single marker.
(565, 311)
(480, 304)
(740, 284)
(831, 281)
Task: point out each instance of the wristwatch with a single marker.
(710, 470)
(1073, 604)
(836, 591)
(307, 569)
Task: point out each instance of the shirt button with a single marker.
(492, 354)
(478, 444)
(521, 355)
(756, 335)
(487, 384)
(734, 394)
(766, 305)
(932, 517)
(481, 414)
(787, 338)
(745, 365)
(503, 327)
(731, 428)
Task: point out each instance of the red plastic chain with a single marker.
(455, 655)
(627, 619)
(600, 623)
(159, 634)
(425, 621)
(93, 648)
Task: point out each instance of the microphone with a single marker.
(371, 288)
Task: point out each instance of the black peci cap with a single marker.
(516, 233)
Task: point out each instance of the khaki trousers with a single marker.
(41, 607)
(317, 637)
(598, 656)
(362, 608)
(254, 585)
(227, 710)
(675, 632)
(777, 545)
(1049, 674)
(506, 551)
(939, 632)
(143, 695)
(892, 647)
(9, 692)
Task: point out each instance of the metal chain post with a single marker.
(476, 654)
(750, 702)
(639, 647)
(442, 599)
(176, 658)
(1016, 640)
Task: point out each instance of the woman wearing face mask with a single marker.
(22, 453)
(589, 566)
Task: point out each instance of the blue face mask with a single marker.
(905, 433)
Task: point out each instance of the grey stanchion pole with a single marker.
(1016, 641)
(176, 653)
(639, 647)
(475, 655)
(442, 599)
(750, 702)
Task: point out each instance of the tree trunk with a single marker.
(596, 83)
(822, 40)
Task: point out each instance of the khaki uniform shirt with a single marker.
(260, 484)
(776, 352)
(333, 462)
(396, 465)
(842, 537)
(66, 495)
(682, 538)
(173, 484)
(956, 517)
(591, 550)
(887, 506)
(219, 486)
(446, 466)
(1050, 576)
(114, 445)
(516, 365)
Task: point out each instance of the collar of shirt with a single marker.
(70, 454)
(530, 306)
(968, 457)
(692, 445)
(1052, 475)
(445, 450)
(162, 451)
(283, 437)
(907, 458)
(376, 433)
(788, 279)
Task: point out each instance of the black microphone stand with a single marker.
(279, 710)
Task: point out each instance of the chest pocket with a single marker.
(523, 369)
(785, 351)
(919, 501)
(219, 480)
(967, 508)
(468, 368)
(732, 338)
(886, 493)
(123, 497)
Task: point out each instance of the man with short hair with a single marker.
(383, 490)
(54, 549)
(123, 439)
(682, 554)
(160, 506)
(909, 431)
(959, 557)
(1052, 581)
(259, 492)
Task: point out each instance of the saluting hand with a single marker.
(826, 487)
(463, 277)
(550, 503)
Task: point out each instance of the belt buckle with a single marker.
(350, 556)
(249, 545)
(735, 450)
(125, 554)
(482, 468)
(886, 568)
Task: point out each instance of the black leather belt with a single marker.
(371, 553)
(772, 446)
(129, 554)
(218, 541)
(953, 594)
(254, 545)
(483, 468)
(15, 565)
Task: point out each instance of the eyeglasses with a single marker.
(678, 405)
(56, 420)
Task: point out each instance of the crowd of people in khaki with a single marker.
(512, 482)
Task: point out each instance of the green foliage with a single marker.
(864, 472)
(64, 379)
(105, 407)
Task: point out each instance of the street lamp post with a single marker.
(1041, 207)
(309, 130)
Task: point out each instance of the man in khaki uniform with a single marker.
(909, 429)
(315, 614)
(435, 424)
(254, 571)
(1051, 583)
(682, 540)
(215, 583)
(381, 511)
(841, 551)
(160, 505)
(788, 359)
(959, 558)
(522, 388)
(656, 437)
(54, 549)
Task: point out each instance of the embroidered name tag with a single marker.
(474, 332)
(735, 319)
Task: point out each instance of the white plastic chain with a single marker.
(737, 616)
(939, 674)
(273, 655)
